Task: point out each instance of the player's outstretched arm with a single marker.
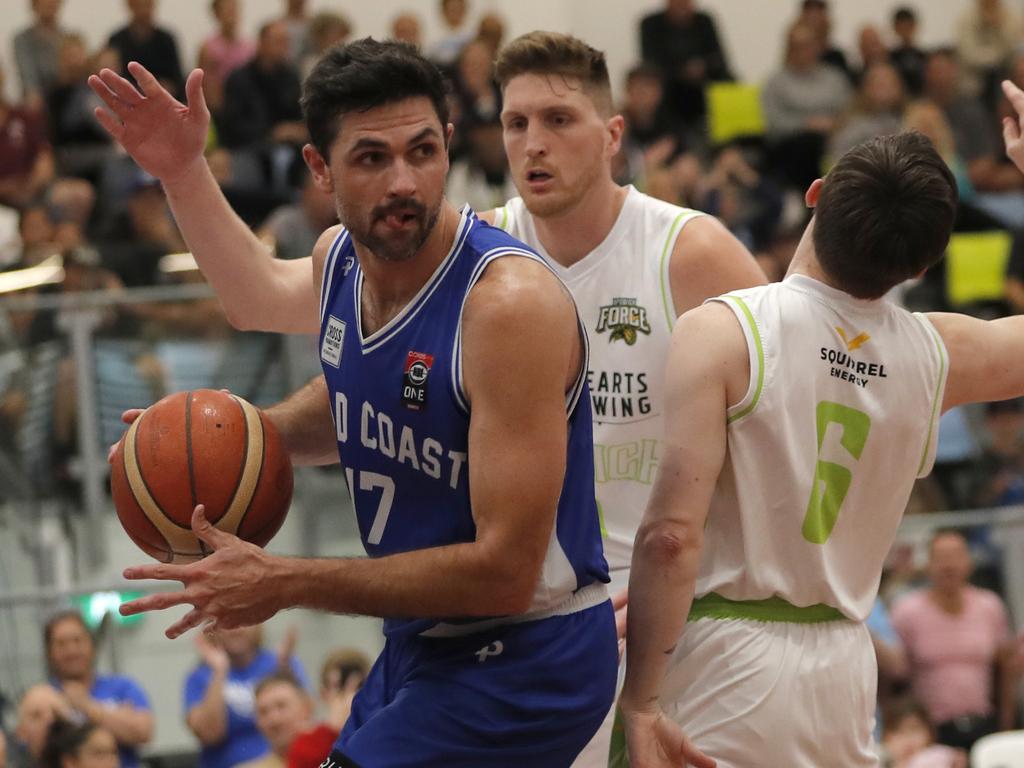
(166, 138)
(986, 358)
(707, 369)
(521, 351)
(305, 423)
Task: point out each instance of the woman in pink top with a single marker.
(223, 52)
(955, 636)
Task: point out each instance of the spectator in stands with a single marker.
(802, 103)
(26, 161)
(906, 56)
(457, 33)
(986, 35)
(35, 52)
(872, 51)
(877, 110)
(683, 43)
(223, 52)
(909, 739)
(113, 702)
(481, 177)
(406, 28)
(478, 95)
(81, 146)
(491, 30)
(80, 745)
(262, 118)
(38, 235)
(283, 711)
(749, 204)
(296, 19)
(927, 117)
(326, 30)
(815, 14)
(958, 641)
(219, 694)
(341, 676)
(293, 229)
(1000, 470)
(648, 118)
(37, 710)
(153, 47)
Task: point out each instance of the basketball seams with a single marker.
(259, 477)
(252, 469)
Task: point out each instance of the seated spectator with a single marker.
(815, 14)
(872, 51)
(112, 702)
(153, 47)
(683, 44)
(802, 103)
(292, 230)
(81, 145)
(481, 178)
(283, 711)
(746, 202)
(296, 19)
(262, 117)
(877, 110)
(457, 33)
(326, 30)
(223, 52)
(648, 119)
(38, 235)
(958, 641)
(341, 677)
(39, 707)
(906, 56)
(491, 30)
(80, 745)
(909, 739)
(1000, 470)
(406, 28)
(219, 694)
(35, 52)
(478, 94)
(986, 35)
(26, 161)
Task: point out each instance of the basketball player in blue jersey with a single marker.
(454, 392)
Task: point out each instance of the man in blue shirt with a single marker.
(219, 699)
(116, 702)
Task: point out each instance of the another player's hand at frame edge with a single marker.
(1013, 128)
(655, 741)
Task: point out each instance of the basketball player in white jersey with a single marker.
(798, 417)
(633, 264)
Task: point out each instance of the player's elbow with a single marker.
(514, 584)
(668, 541)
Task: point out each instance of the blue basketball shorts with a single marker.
(519, 694)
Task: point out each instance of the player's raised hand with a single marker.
(1013, 128)
(654, 741)
(163, 135)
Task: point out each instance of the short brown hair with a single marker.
(554, 53)
(885, 214)
(282, 676)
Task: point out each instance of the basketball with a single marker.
(200, 447)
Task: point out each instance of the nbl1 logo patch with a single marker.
(414, 380)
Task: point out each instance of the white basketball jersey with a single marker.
(840, 418)
(622, 291)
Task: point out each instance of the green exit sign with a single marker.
(96, 605)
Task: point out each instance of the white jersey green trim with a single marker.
(758, 375)
(714, 606)
(666, 254)
(941, 348)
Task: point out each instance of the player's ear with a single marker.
(616, 127)
(318, 167)
(813, 193)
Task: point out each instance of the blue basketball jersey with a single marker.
(402, 421)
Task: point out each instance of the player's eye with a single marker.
(425, 150)
(370, 158)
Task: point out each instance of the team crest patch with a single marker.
(333, 341)
(414, 380)
(624, 319)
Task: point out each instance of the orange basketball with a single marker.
(201, 447)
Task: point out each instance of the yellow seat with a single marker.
(976, 266)
(734, 111)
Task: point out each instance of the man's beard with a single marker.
(400, 246)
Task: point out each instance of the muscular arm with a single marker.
(130, 726)
(707, 361)
(986, 358)
(306, 425)
(208, 719)
(707, 261)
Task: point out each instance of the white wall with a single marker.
(752, 29)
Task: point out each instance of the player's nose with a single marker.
(402, 182)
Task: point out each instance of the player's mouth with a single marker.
(538, 180)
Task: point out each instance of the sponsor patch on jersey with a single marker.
(624, 319)
(414, 380)
(334, 339)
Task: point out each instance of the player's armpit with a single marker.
(986, 358)
(707, 261)
(521, 353)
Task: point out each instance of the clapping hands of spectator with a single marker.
(215, 657)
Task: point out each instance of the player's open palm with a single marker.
(654, 741)
(1012, 127)
(163, 135)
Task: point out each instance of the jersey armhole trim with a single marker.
(327, 278)
(674, 231)
(928, 454)
(755, 351)
(501, 218)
